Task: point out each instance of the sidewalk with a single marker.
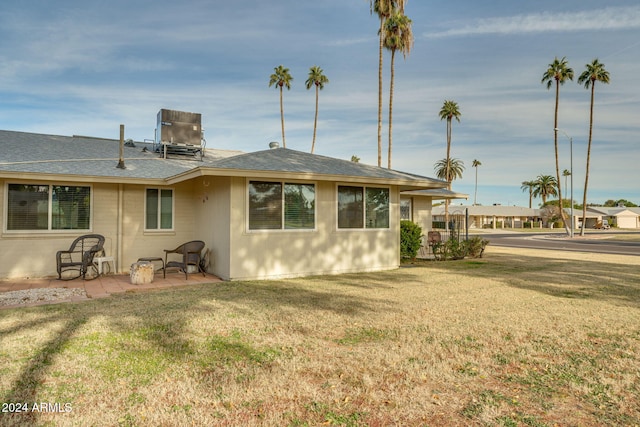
(100, 287)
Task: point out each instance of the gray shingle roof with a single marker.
(89, 157)
(611, 211)
(97, 158)
(292, 161)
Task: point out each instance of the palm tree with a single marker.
(545, 186)
(281, 78)
(382, 8)
(449, 111)
(317, 79)
(397, 37)
(558, 72)
(475, 164)
(449, 169)
(595, 72)
(528, 186)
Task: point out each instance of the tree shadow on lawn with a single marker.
(33, 374)
(159, 318)
(329, 293)
(615, 283)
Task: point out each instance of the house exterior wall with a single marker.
(260, 254)
(626, 219)
(33, 254)
(422, 213)
(136, 242)
(215, 210)
(214, 222)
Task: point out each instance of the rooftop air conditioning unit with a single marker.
(180, 132)
(180, 127)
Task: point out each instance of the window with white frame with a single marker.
(281, 205)
(405, 209)
(363, 207)
(159, 209)
(45, 207)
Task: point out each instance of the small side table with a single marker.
(156, 259)
(102, 259)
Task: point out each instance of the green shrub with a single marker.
(459, 249)
(450, 249)
(530, 224)
(410, 239)
(475, 246)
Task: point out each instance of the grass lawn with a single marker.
(515, 338)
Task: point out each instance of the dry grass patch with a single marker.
(515, 338)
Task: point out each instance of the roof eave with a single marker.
(403, 184)
(93, 179)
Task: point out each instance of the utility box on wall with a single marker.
(179, 127)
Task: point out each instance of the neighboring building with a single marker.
(417, 205)
(272, 213)
(495, 216)
(621, 217)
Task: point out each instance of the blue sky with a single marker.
(85, 67)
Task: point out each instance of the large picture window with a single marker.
(33, 207)
(159, 209)
(363, 207)
(277, 206)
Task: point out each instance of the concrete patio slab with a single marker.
(100, 287)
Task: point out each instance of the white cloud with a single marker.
(610, 18)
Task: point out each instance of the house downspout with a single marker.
(120, 208)
(120, 225)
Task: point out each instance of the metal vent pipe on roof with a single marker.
(121, 160)
(274, 144)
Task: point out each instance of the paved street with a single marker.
(591, 242)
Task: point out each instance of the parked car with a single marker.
(602, 225)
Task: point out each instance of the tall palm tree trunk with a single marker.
(555, 143)
(446, 202)
(448, 145)
(380, 92)
(391, 80)
(475, 191)
(315, 123)
(586, 176)
(284, 144)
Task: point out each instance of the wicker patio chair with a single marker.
(79, 257)
(191, 254)
(433, 239)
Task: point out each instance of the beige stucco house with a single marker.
(269, 214)
(417, 205)
(494, 216)
(621, 217)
